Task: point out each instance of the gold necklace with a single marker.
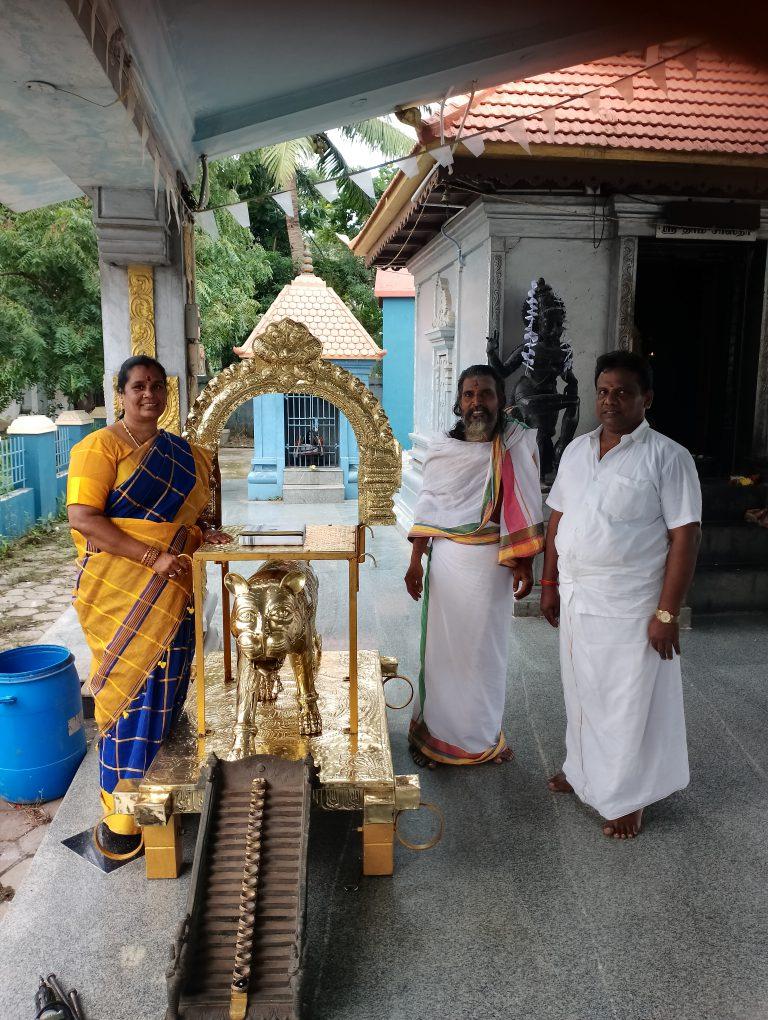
(136, 443)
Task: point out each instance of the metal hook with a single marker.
(398, 676)
(430, 843)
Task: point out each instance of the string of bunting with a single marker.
(119, 67)
(442, 155)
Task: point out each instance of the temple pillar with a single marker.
(265, 479)
(147, 294)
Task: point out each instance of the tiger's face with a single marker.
(269, 616)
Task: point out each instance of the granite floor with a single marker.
(523, 912)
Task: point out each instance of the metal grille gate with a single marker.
(311, 431)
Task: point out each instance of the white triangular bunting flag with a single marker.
(652, 54)
(207, 221)
(409, 165)
(328, 190)
(156, 176)
(520, 135)
(364, 181)
(94, 10)
(144, 138)
(594, 99)
(442, 155)
(168, 190)
(475, 144)
(284, 200)
(658, 76)
(690, 62)
(626, 88)
(548, 118)
(121, 65)
(240, 212)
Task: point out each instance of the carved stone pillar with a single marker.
(624, 293)
(496, 297)
(144, 293)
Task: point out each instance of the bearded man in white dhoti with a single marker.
(479, 514)
(621, 550)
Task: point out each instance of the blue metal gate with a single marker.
(311, 431)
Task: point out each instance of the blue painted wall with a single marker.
(398, 334)
(17, 513)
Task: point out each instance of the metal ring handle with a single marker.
(431, 842)
(108, 853)
(398, 676)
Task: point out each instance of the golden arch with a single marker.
(287, 358)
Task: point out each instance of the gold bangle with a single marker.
(150, 555)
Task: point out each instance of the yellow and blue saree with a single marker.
(138, 625)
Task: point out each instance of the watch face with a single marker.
(664, 616)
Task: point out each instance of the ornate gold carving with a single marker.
(348, 764)
(287, 359)
(170, 419)
(141, 304)
(273, 617)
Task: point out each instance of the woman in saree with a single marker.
(135, 496)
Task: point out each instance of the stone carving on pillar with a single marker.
(625, 318)
(496, 295)
(441, 336)
(141, 306)
(443, 317)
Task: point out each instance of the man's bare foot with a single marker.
(506, 755)
(421, 759)
(626, 827)
(559, 784)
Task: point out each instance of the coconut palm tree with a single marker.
(285, 163)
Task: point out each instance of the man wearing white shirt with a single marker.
(620, 554)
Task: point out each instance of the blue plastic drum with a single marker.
(42, 736)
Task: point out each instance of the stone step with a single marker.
(724, 587)
(313, 493)
(320, 476)
(737, 543)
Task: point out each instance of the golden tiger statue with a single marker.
(273, 616)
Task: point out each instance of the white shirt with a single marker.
(612, 539)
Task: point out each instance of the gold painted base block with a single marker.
(163, 849)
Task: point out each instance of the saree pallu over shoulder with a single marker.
(128, 612)
(462, 483)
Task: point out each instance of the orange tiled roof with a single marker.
(723, 110)
(309, 300)
(394, 283)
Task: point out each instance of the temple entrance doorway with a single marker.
(698, 307)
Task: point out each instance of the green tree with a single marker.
(50, 306)
(286, 163)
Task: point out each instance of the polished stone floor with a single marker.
(523, 912)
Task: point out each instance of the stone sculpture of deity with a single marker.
(545, 357)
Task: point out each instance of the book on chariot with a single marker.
(263, 534)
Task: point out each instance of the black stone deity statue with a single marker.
(545, 357)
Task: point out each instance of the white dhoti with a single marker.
(468, 607)
(625, 737)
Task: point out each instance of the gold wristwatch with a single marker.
(664, 616)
